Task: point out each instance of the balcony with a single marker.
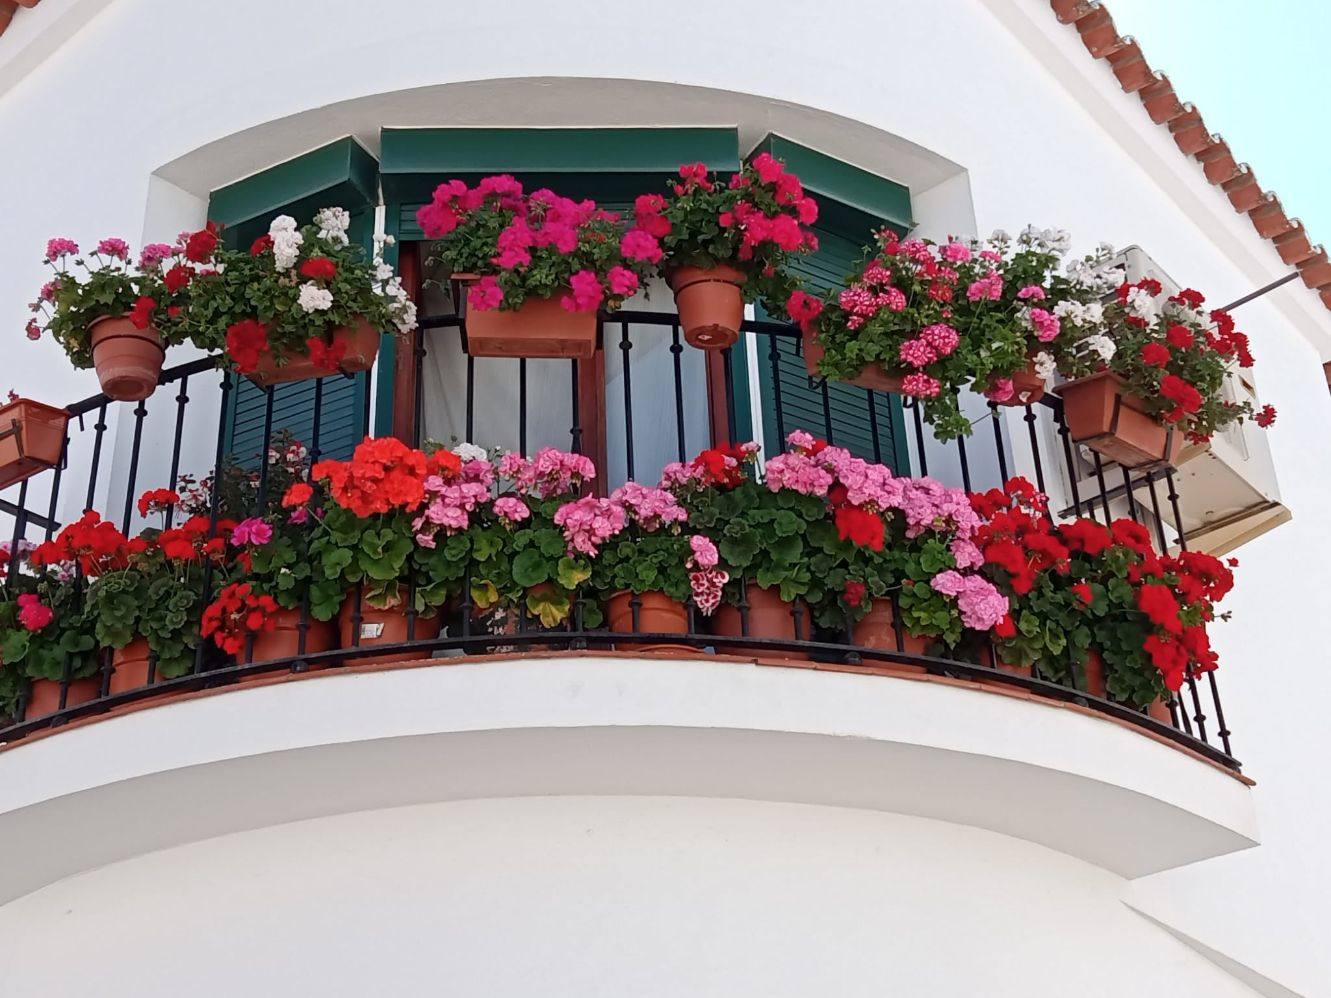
(150, 449)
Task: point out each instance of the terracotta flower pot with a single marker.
(542, 327)
(1094, 671)
(128, 359)
(1114, 423)
(283, 641)
(44, 695)
(769, 616)
(873, 376)
(988, 660)
(383, 627)
(877, 629)
(362, 342)
(129, 667)
(710, 302)
(1027, 387)
(32, 439)
(657, 614)
(1159, 710)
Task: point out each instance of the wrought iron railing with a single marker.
(1094, 490)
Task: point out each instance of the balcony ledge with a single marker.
(595, 724)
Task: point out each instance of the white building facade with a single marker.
(611, 824)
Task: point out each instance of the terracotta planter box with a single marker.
(128, 360)
(1094, 672)
(877, 629)
(1027, 388)
(871, 376)
(382, 627)
(710, 303)
(32, 439)
(769, 616)
(541, 328)
(1114, 423)
(657, 614)
(44, 695)
(362, 342)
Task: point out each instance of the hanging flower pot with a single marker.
(283, 641)
(44, 695)
(128, 359)
(32, 439)
(710, 302)
(382, 627)
(873, 376)
(355, 346)
(1113, 422)
(540, 328)
(769, 616)
(657, 614)
(877, 629)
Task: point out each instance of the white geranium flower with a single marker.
(1142, 305)
(470, 452)
(333, 224)
(404, 317)
(1045, 365)
(282, 223)
(314, 298)
(1103, 346)
(286, 249)
(382, 271)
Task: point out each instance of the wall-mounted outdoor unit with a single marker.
(1227, 491)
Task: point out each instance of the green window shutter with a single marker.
(342, 174)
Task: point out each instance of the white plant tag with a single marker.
(368, 631)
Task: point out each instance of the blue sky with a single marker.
(1260, 72)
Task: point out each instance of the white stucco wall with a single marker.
(1018, 124)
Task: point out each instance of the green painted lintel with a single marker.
(341, 173)
(852, 201)
(617, 163)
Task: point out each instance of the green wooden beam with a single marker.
(851, 201)
(607, 163)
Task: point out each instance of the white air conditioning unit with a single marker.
(1227, 489)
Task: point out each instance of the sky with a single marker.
(1260, 72)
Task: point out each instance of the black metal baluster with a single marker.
(214, 501)
(471, 397)
(1100, 480)
(522, 405)
(965, 463)
(625, 345)
(1127, 491)
(1223, 730)
(873, 426)
(1071, 464)
(774, 357)
(265, 454)
(1162, 544)
(676, 351)
(99, 428)
(919, 433)
(366, 412)
(1172, 496)
(20, 529)
(997, 419)
(140, 411)
(575, 431)
(1197, 716)
(182, 398)
(53, 505)
(1035, 451)
(827, 411)
(728, 374)
(418, 401)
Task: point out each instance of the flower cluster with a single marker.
(758, 222)
(539, 245)
(237, 614)
(287, 296)
(383, 475)
(107, 283)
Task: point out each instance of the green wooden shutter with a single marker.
(868, 424)
(341, 174)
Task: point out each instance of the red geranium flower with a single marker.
(1155, 354)
(177, 278)
(318, 268)
(298, 495)
(199, 246)
(157, 500)
(1160, 606)
(1083, 592)
(1180, 337)
(1185, 397)
(860, 527)
(261, 245)
(245, 342)
(326, 357)
(142, 312)
(1266, 416)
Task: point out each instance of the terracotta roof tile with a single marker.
(8, 8)
(1135, 75)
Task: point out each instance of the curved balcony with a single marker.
(651, 362)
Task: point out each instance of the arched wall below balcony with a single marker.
(345, 741)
